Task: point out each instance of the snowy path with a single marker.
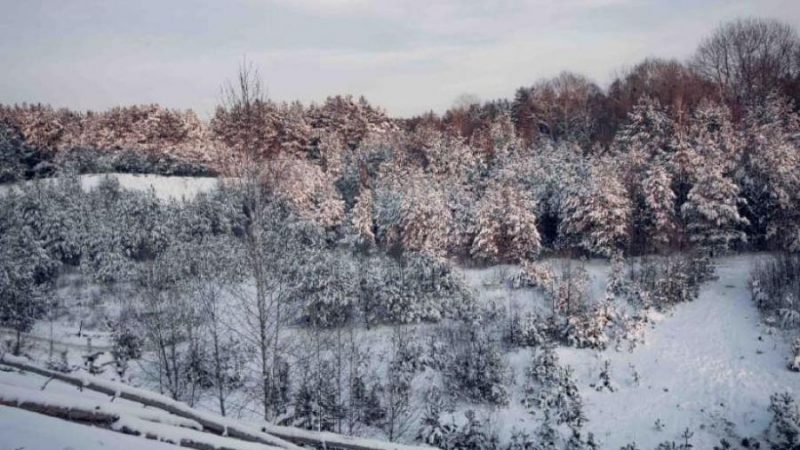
(710, 362)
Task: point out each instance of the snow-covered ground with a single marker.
(164, 187)
(710, 366)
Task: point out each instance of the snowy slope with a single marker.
(709, 365)
(709, 362)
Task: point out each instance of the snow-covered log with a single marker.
(71, 413)
(272, 435)
(183, 437)
(208, 421)
(20, 396)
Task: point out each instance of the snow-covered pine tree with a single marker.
(784, 428)
(506, 225)
(475, 434)
(550, 390)
(712, 134)
(711, 212)
(361, 219)
(26, 270)
(643, 141)
(685, 165)
(794, 361)
(477, 369)
(659, 224)
(432, 430)
(597, 212)
(535, 275)
(617, 283)
(648, 130)
(770, 176)
(426, 217)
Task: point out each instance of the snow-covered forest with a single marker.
(574, 268)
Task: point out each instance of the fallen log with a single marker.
(182, 437)
(63, 412)
(274, 435)
(218, 425)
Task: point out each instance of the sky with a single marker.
(407, 56)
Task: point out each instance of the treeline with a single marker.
(672, 155)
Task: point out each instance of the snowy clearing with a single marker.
(164, 187)
(710, 366)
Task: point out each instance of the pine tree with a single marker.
(506, 226)
(659, 208)
(425, 218)
(550, 390)
(648, 130)
(26, 271)
(784, 428)
(711, 212)
(432, 431)
(361, 219)
(770, 176)
(596, 213)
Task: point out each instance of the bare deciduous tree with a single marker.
(748, 58)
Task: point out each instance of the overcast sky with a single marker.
(407, 56)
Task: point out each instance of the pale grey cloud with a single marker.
(406, 55)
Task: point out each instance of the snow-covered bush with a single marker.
(476, 370)
(527, 330)
(784, 428)
(520, 440)
(775, 286)
(432, 430)
(674, 283)
(473, 434)
(605, 378)
(534, 275)
(591, 328)
(127, 345)
(416, 288)
(617, 283)
(550, 390)
(315, 402)
(794, 362)
(569, 295)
